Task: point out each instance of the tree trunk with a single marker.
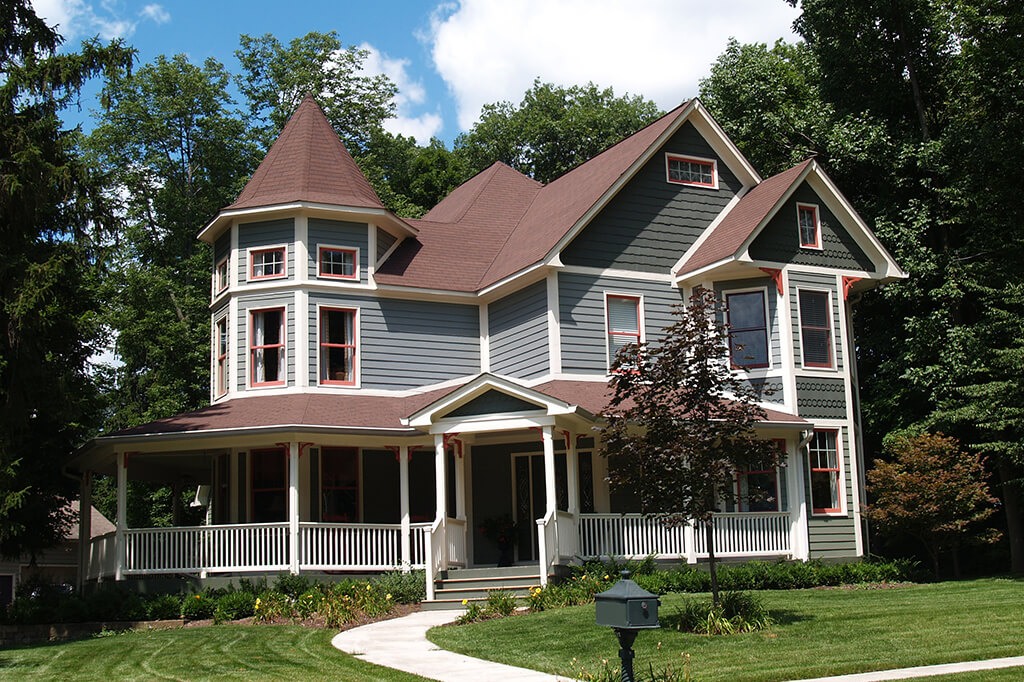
(709, 530)
(1011, 482)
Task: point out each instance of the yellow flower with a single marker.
(606, 576)
(369, 587)
(198, 597)
(388, 596)
(465, 601)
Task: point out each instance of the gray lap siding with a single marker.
(250, 302)
(651, 222)
(266, 233)
(518, 332)
(581, 301)
(336, 233)
(404, 344)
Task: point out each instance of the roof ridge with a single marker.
(508, 235)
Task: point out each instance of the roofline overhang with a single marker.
(378, 216)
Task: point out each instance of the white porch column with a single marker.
(293, 507)
(440, 478)
(84, 528)
(797, 505)
(122, 515)
(403, 503)
(549, 470)
(460, 482)
(572, 472)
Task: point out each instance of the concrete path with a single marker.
(402, 643)
(926, 671)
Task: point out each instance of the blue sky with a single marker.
(450, 58)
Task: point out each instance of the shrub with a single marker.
(293, 585)
(163, 607)
(404, 588)
(271, 605)
(198, 607)
(337, 608)
(308, 603)
(500, 603)
(373, 602)
(536, 599)
(737, 612)
(234, 605)
(474, 612)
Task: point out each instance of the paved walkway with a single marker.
(402, 643)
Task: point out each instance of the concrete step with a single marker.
(489, 572)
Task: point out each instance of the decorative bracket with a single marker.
(848, 283)
(776, 275)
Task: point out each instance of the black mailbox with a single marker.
(627, 606)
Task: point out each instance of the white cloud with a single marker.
(79, 19)
(490, 51)
(411, 95)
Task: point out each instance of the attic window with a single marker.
(688, 170)
(810, 226)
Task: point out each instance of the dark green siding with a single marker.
(650, 223)
(833, 537)
(779, 241)
(493, 402)
(821, 398)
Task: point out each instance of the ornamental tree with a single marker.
(680, 424)
(932, 491)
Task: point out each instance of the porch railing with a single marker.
(455, 531)
(229, 548)
(633, 536)
(362, 546)
(102, 557)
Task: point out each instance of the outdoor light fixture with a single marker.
(627, 608)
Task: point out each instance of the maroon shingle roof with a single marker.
(308, 162)
(742, 220)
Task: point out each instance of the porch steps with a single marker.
(474, 584)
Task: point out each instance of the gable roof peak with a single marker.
(308, 163)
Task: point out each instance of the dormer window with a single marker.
(338, 263)
(693, 171)
(810, 226)
(267, 263)
(220, 276)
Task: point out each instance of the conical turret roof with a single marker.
(308, 163)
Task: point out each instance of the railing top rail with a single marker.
(106, 535)
(178, 529)
(718, 515)
(368, 526)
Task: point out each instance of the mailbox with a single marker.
(627, 606)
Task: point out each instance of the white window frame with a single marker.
(817, 226)
(270, 247)
(670, 157)
(642, 330)
(356, 356)
(355, 277)
(767, 327)
(250, 374)
(833, 365)
(216, 356)
(218, 286)
(840, 475)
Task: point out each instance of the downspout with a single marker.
(857, 421)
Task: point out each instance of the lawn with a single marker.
(818, 632)
(219, 652)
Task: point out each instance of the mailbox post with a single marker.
(627, 608)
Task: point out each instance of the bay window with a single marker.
(266, 347)
(824, 464)
(337, 346)
(815, 328)
(338, 263)
(220, 380)
(267, 263)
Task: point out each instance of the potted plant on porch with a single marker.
(501, 530)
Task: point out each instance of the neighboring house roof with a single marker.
(726, 238)
(308, 163)
(98, 525)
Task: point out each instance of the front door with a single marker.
(529, 499)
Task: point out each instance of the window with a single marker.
(220, 381)
(684, 170)
(337, 346)
(269, 485)
(267, 263)
(338, 263)
(6, 589)
(266, 347)
(623, 323)
(220, 276)
(823, 456)
(339, 485)
(757, 489)
(748, 330)
(815, 329)
(810, 228)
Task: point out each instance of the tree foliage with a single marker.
(51, 207)
(932, 491)
(680, 424)
(553, 129)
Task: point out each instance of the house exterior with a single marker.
(381, 388)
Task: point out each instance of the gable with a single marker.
(493, 402)
(651, 222)
(779, 240)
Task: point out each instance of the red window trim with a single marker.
(781, 443)
(813, 208)
(711, 163)
(767, 337)
(252, 474)
(221, 387)
(827, 328)
(321, 345)
(253, 348)
(218, 286)
(320, 263)
(284, 263)
(838, 469)
(638, 335)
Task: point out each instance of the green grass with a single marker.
(818, 632)
(220, 652)
(998, 675)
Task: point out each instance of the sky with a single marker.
(450, 58)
